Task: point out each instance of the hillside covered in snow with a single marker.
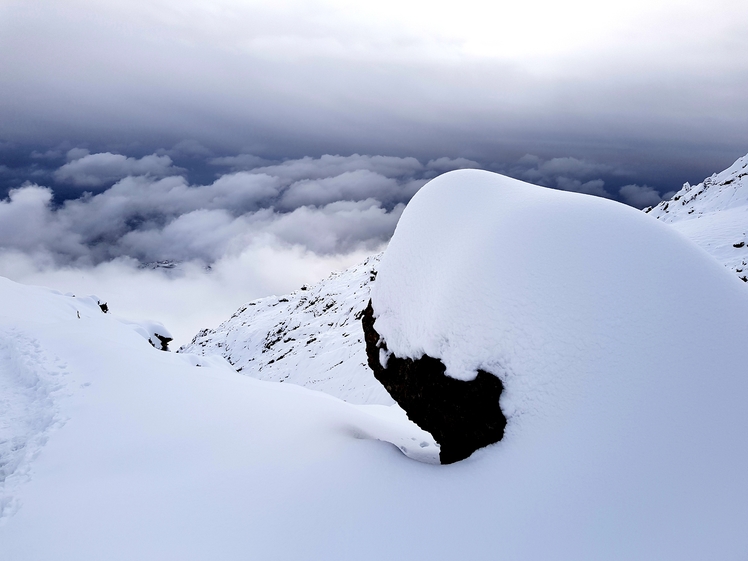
(311, 337)
(624, 398)
(714, 214)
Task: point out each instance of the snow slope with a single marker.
(111, 449)
(626, 401)
(311, 337)
(714, 214)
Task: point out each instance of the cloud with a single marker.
(188, 298)
(342, 226)
(326, 205)
(444, 164)
(592, 187)
(569, 174)
(331, 166)
(243, 235)
(267, 228)
(240, 162)
(348, 186)
(95, 170)
(258, 78)
(640, 196)
(28, 224)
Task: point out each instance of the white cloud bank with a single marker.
(95, 170)
(155, 245)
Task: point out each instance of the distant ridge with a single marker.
(714, 214)
(313, 337)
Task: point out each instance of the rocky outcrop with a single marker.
(461, 416)
(311, 337)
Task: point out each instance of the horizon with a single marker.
(271, 143)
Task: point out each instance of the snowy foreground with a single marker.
(622, 350)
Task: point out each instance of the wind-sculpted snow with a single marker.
(714, 214)
(311, 337)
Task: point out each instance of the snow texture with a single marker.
(311, 337)
(714, 214)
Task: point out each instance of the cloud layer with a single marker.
(256, 228)
(656, 86)
(146, 209)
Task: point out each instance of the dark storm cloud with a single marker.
(327, 205)
(197, 128)
(664, 96)
(641, 196)
(94, 170)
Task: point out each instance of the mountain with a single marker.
(714, 214)
(311, 337)
(624, 396)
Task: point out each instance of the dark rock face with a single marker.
(461, 416)
(161, 343)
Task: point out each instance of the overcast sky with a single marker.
(137, 131)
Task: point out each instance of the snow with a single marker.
(311, 337)
(622, 350)
(113, 449)
(714, 214)
(621, 346)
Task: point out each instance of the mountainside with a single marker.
(311, 337)
(624, 398)
(714, 214)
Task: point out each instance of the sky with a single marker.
(180, 158)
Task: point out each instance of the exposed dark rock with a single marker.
(161, 343)
(104, 307)
(461, 416)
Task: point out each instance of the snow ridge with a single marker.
(714, 214)
(28, 411)
(311, 337)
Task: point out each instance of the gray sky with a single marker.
(273, 141)
(657, 87)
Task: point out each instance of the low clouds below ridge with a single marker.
(334, 204)
(260, 227)
(94, 170)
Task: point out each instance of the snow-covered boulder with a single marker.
(616, 339)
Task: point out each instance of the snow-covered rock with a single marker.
(620, 344)
(311, 337)
(714, 214)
